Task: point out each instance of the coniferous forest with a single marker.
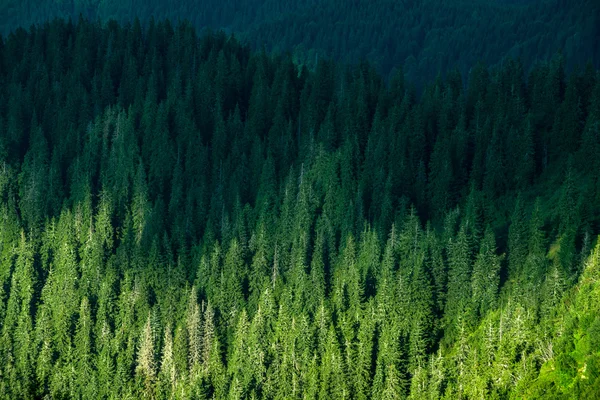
(425, 37)
(185, 217)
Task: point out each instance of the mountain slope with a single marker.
(425, 37)
(182, 217)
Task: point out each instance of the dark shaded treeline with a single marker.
(184, 218)
(427, 37)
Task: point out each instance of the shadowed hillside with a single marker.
(426, 37)
(185, 218)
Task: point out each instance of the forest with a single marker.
(426, 37)
(185, 217)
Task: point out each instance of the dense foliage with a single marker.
(184, 218)
(426, 36)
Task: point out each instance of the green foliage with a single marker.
(425, 37)
(181, 217)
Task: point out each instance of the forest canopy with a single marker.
(184, 218)
(426, 37)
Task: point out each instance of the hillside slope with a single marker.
(184, 218)
(426, 37)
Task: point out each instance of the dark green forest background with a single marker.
(183, 217)
(426, 37)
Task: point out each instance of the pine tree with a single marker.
(146, 358)
(86, 383)
(440, 178)
(45, 351)
(194, 332)
(33, 177)
(439, 274)
(459, 281)
(362, 366)
(486, 275)
(517, 244)
(233, 274)
(140, 208)
(257, 346)
(535, 263)
(238, 368)
(259, 270)
(389, 381)
(333, 375)
(105, 363)
(317, 275)
(569, 220)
